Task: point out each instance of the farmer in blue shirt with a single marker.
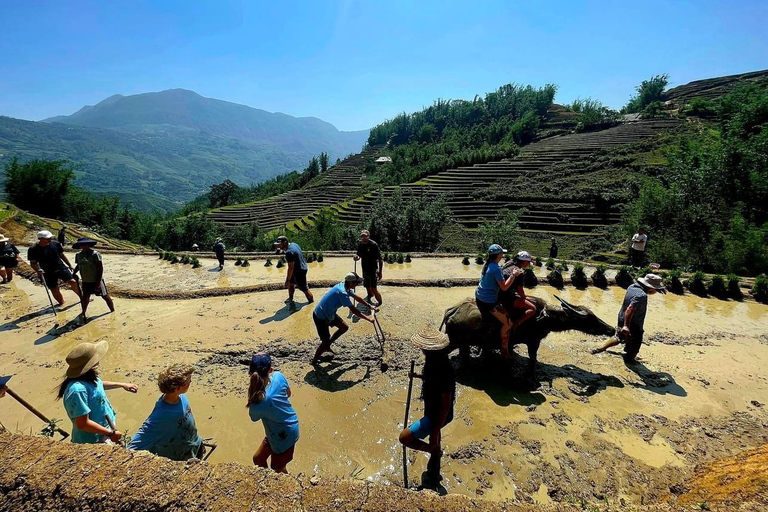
(84, 398)
(170, 430)
(487, 294)
(268, 401)
(325, 315)
(296, 276)
(631, 320)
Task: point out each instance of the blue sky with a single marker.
(354, 63)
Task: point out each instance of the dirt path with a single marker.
(594, 428)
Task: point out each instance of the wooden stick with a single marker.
(212, 447)
(64, 434)
(405, 422)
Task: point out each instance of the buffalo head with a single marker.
(583, 319)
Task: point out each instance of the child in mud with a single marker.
(88, 263)
(170, 430)
(439, 393)
(325, 315)
(268, 401)
(85, 401)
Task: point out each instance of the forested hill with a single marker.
(159, 150)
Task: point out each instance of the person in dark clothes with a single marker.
(515, 294)
(373, 265)
(218, 248)
(637, 249)
(438, 390)
(632, 316)
(51, 264)
(9, 259)
(61, 236)
(296, 275)
(88, 263)
(553, 249)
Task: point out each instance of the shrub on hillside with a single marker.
(593, 115)
(503, 230)
(700, 107)
(624, 276)
(598, 276)
(653, 110)
(760, 288)
(646, 93)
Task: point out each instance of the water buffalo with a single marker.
(465, 326)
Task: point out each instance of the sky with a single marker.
(355, 63)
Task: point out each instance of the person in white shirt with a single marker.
(637, 252)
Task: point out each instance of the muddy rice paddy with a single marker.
(592, 428)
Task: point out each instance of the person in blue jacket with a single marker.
(170, 430)
(268, 401)
(487, 294)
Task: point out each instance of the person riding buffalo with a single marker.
(487, 293)
(518, 299)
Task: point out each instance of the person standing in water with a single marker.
(296, 275)
(439, 393)
(553, 249)
(170, 430)
(369, 254)
(88, 263)
(9, 259)
(218, 248)
(47, 258)
(84, 395)
(632, 317)
(268, 401)
(487, 293)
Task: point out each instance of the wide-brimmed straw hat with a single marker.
(430, 339)
(652, 281)
(84, 357)
(83, 240)
(4, 238)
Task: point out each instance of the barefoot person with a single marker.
(632, 316)
(325, 315)
(88, 263)
(268, 401)
(520, 262)
(218, 248)
(369, 254)
(439, 393)
(487, 293)
(9, 259)
(48, 259)
(170, 430)
(296, 275)
(84, 398)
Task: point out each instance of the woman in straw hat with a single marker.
(85, 401)
(438, 390)
(9, 259)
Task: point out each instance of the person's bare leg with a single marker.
(109, 302)
(84, 301)
(9, 274)
(291, 291)
(3, 275)
(611, 342)
(262, 454)
(75, 288)
(506, 326)
(377, 294)
(309, 296)
(280, 461)
(407, 440)
(56, 292)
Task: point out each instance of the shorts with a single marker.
(324, 328)
(422, 428)
(485, 307)
(98, 289)
(299, 279)
(9, 263)
(52, 278)
(632, 342)
(370, 278)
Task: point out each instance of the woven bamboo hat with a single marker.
(430, 339)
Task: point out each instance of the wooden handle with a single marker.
(405, 421)
(34, 411)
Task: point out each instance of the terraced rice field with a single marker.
(341, 182)
(543, 213)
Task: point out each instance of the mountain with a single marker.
(158, 150)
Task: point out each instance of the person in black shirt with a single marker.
(48, 259)
(9, 259)
(368, 251)
(218, 248)
(553, 249)
(61, 236)
(515, 295)
(439, 393)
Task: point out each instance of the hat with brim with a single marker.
(4, 238)
(83, 241)
(281, 239)
(430, 339)
(353, 278)
(652, 281)
(44, 235)
(84, 357)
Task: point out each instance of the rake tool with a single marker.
(64, 434)
(209, 443)
(50, 300)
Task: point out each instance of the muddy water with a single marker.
(593, 426)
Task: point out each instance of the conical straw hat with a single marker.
(430, 339)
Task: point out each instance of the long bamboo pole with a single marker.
(405, 422)
(34, 411)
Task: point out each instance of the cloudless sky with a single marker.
(356, 62)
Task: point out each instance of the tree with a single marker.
(38, 186)
(220, 195)
(503, 230)
(323, 162)
(647, 92)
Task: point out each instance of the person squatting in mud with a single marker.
(487, 293)
(438, 390)
(88, 263)
(85, 400)
(170, 430)
(268, 401)
(632, 317)
(325, 315)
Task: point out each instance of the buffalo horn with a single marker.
(571, 307)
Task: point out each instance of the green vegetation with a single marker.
(674, 284)
(598, 276)
(555, 278)
(760, 288)
(465, 260)
(504, 230)
(734, 288)
(593, 115)
(696, 283)
(709, 210)
(648, 92)
(578, 277)
(717, 287)
(529, 278)
(403, 224)
(624, 276)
